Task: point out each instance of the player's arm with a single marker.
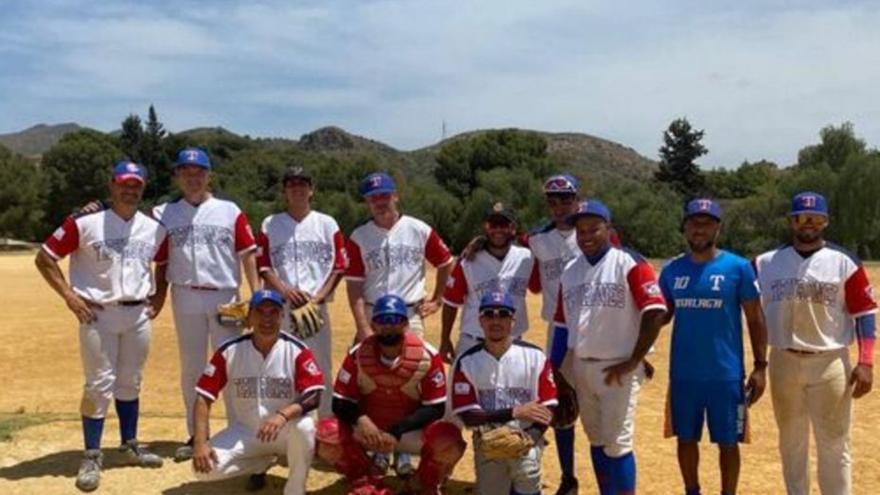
(328, 288)
(246, 247)
(204, 458)
(160, 279)
(62, 242)
(453, 297)
(438, 255)
(340, 263)
(758, 336)
(355, 276)
(249, 265)
(860, 304)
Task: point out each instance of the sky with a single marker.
(760, 77)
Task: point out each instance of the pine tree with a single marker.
(681, 147)
(131, 137)
(153, 157)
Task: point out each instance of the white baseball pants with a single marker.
(523, 474)
(321, 346)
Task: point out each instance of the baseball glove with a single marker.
(305, 321)
(505, 442)
(233, 314)
(567, 410)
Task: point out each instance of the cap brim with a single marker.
(497, 306)
(703, 214)
(197, 164)
(572, 219)
(809, 212)
(503, 216)
(383, 190)
(127, 177)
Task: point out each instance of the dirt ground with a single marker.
(40, 366)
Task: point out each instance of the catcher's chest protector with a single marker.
(392, 392)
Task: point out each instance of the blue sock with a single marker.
(127, 410)
(565, 450)
(600, 467)
(623, 472)
(93, 428)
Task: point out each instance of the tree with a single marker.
(22, 197)
(837, 144)
(131, 137)
(152, 155)
(677, 168)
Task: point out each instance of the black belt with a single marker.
(803, 353)
(139, 302)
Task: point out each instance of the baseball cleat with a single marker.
(403, 465)
(89, 474)
(381, 462)
(137, 454)
(184, 452)
(568, 486)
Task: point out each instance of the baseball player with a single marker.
(389, 396)
(210, 241)
(707, 290)
(504, 381)
(387, 255)
(275, 382)
(818, 300)
(499, 266)
(609, 311)
(111, 252)
(301, 254)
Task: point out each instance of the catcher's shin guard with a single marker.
(443, 446)
(336, 445)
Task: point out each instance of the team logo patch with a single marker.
(59, 233)
(462, 389)
(652, 289)
(869, 291)
(437, 379)
(551, 378)
(312, 368)
(210, 369)
(344, 376)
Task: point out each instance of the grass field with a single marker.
(40, 437)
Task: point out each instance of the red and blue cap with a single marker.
(809, 202)
(561, 184)
(128, 170)
(497, 299)
(702, 206)
(193, 156)
(390, 305)
(266, 295)
(377, 183)
(590, 208)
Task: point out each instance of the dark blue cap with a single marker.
(497, 299)
(590, 207)
(499, 210)
(389, 304)
(126, 170)
(703, 206)
(193, 156)
(809, 202)
(377, 183)
(561, 184)
(266, 295)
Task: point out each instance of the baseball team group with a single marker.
(391, 405)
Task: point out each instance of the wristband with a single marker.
(278, 412)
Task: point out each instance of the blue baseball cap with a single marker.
(497, 299)
(193, 156)
(377, 183)
(499, 210)
(702, 206)
(128, 170)
(590, 208)
(561, 184)
(390, 304)
(809, 202)
(266, 295)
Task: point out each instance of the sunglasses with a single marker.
(809, 218)
(389, 319)
(496, 313)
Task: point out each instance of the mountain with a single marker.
(36, 140)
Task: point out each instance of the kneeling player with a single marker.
(275, 384)
(504, 382)
(388, 397)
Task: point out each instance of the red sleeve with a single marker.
(356, 269)
(859, 294)
(63, 241)
(264, 261)
(644, 287)
(456, 287)
(308, 375)
(523, 239)
(535, 278)
(436, 251)
(547, 385)
(434, 383)
(464, 393)
(559, 315)
(161, 256)
(614, 238)
(346, 380)
(213, 379)
(340, 258)
(244, 236)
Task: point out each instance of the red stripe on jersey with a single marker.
(161, 255)
(356, 267)
(244, 236)
(308, 374)
(340, 258)
(436, 251)
(858, 293)
(346, 380)
(644, 287)
(213, 379)
(264, 261)
(523, 239)
(434, 382)
(64, 240)
(456, 287)
(546, 385)
(535, 278)
(464, 393)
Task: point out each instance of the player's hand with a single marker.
(534, 412)
(368, 434)
(447, 351)
(755, 385)
(428, 307)
(81, 308)
(155, 305)
(204, 458)
(361, 333)
(616, 373)
(862, 380)
(270, 428)
(296, 297)
(387, 443)
(473, 247)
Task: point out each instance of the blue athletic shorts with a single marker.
(722, 403)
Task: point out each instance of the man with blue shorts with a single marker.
(705, 290)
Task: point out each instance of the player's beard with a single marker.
(701, 246)
(808, 237)
(389, 339)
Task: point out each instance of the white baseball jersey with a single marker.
(523, 374)
(259, 385)
(553, 249)
(811, 303)
(393, 261)
(206, 241)
(303, 254)
(471, 279)
(601, 304)
(110, 257)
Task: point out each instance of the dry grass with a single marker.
(39, 360)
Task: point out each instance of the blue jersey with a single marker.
(706, 299)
